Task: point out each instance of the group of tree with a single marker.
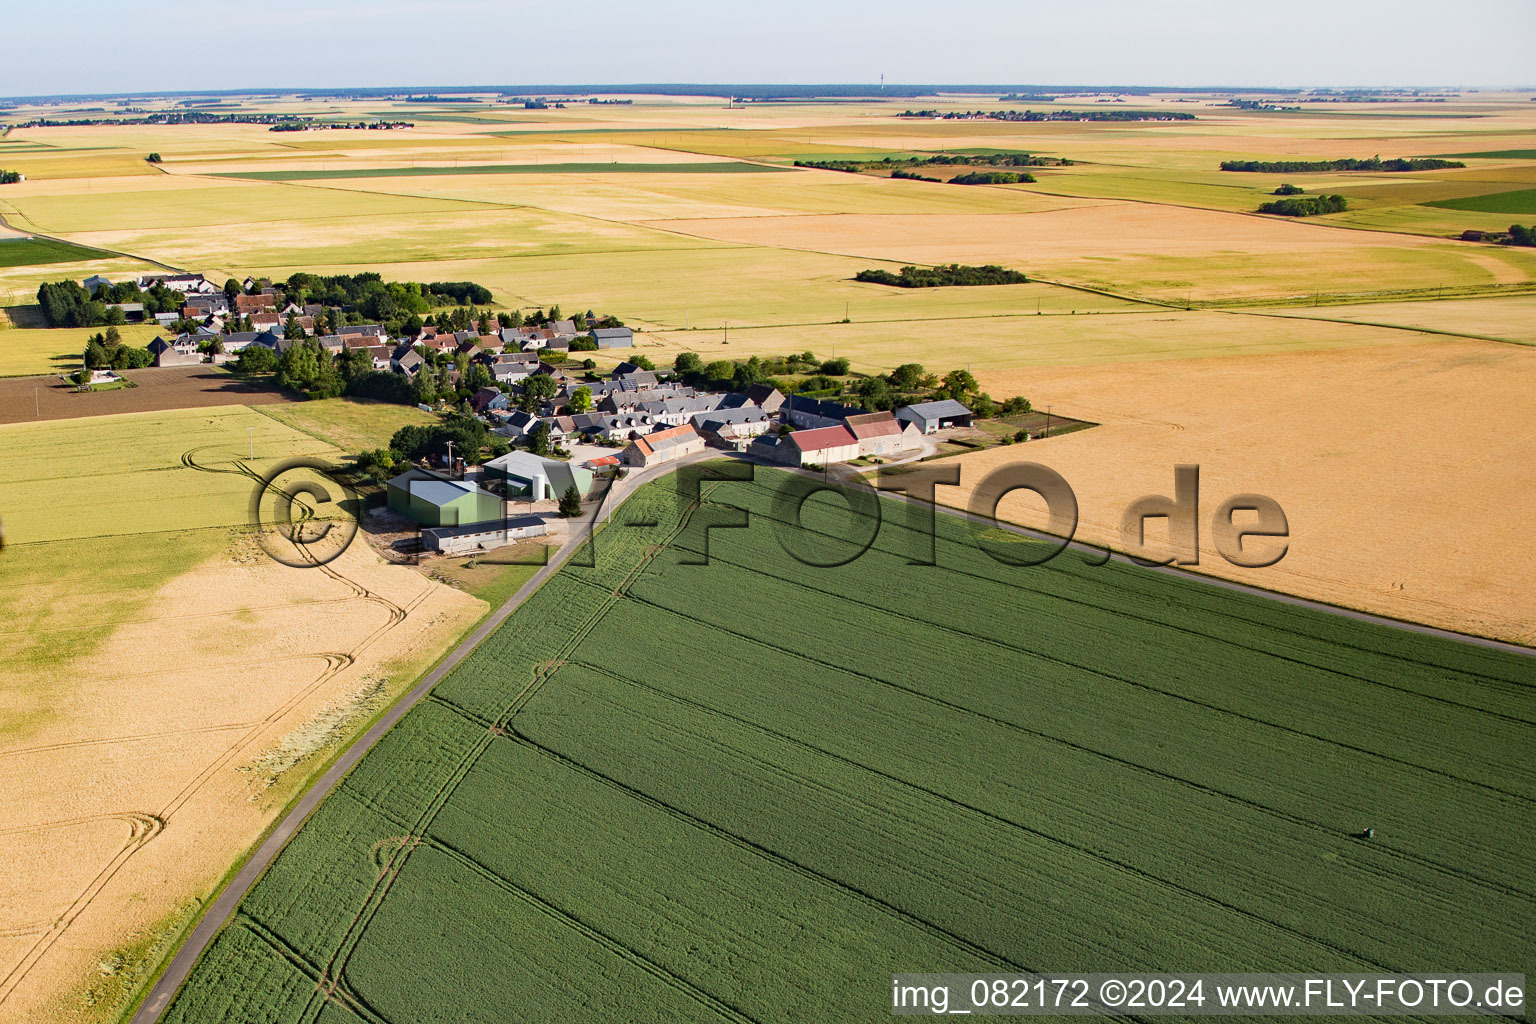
(153, 158)
(911, 382)
(992, 178)
(1307, 206)
(68, 304)
(1374, 163)
(9, 177)
(107, 351)
(1288, 189)
(1519, 234)
(1003, 158)
(943, 276)
(467, 434)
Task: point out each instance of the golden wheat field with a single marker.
(1370, 370)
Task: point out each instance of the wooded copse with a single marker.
(944, 276)
(1307, 206)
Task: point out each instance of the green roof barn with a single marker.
(433, 500)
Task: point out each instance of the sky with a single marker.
(102, 47)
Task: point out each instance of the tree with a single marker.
(835, 367)
(231, 289)
(478, 377)
(537, 390)
(256, 359)
(292, 330)
(908, 376)
(644, 362)
(960, 385)
(377, 465)
(570, 502)
(687, 364)
(153, 158)
(720, 373)
(875, 394)
(538, 439)
(581, 399)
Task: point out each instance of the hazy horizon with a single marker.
(348, 44)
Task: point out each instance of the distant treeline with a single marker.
(376, 298)
(942, 276)
(1375, 163)
(1309, 206)
(1026, 97)
(1052, 115)
(164, 117)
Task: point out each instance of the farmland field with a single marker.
(919, 768)
(827, 775)
(167, 687)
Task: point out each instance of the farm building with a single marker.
(529, 477)
(614, 337)
(803, 447)
(881, 433)
(929, 417)
(458, 540)
(809, 413)
(434, 500)
(663, 446)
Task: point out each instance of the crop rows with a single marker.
(749, 790)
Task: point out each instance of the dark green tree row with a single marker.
(942, 276)
(1374, 163)
(1306, 206)
(9, 177)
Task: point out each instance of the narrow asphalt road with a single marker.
(219, 911)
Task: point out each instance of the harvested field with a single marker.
(30, 399)
(766, 750)
(1373, 453)
(168, 687)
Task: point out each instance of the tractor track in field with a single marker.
(146, 826)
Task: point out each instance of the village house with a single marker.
(663, 446)
(732, 428)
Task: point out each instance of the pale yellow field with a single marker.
(168, 686)
(1512, 318)
(1395, 465)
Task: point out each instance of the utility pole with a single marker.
(450, 458)
(1047, 421)
(845, 311)
(37, 404)
(250, 433)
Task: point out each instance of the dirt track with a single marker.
(24, 399)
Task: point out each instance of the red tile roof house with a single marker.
(255, 303)
(664, 446)
(819, 447)
(882, 434)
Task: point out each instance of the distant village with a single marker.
(572, 428)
